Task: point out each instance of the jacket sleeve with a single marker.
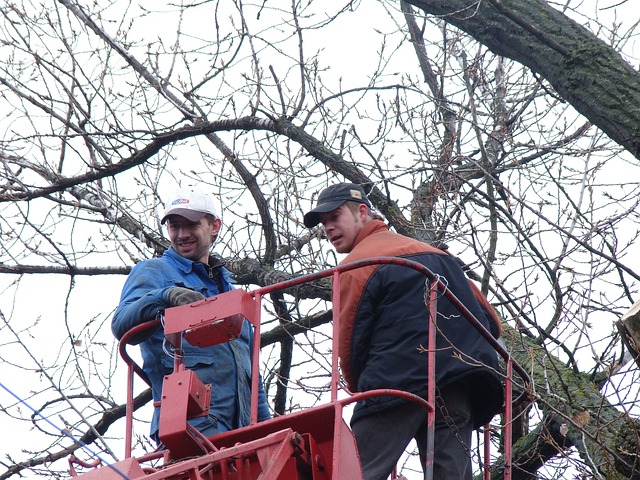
(354, 318)
(144, 294)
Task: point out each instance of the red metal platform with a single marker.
(312, 444)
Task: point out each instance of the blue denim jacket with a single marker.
(227, 367)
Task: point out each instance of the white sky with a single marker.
(41, 300)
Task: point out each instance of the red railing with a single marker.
(433, 285)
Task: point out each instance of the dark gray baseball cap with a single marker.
(332, 197)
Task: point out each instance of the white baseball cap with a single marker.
(191, 203)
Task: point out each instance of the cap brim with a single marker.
(191, 215)
(312, 218)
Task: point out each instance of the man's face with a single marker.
(192, 240)
(342, 226)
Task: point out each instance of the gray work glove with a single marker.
(177, 296)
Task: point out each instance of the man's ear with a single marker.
(215, 226)
(363, 211)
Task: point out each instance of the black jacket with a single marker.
(384, 324)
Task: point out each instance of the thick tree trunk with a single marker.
(576, 415)
(586, 72)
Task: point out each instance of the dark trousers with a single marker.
(383, 436)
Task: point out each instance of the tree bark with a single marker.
(575, 414)
(585, 71)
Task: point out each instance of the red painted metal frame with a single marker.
(435, 287)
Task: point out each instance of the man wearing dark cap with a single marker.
(187, 273)
(383, 327)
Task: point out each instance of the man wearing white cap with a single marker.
(186, 273)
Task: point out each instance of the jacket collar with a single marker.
(373, 227)
(187, 265)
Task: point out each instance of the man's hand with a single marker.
(181, 296)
